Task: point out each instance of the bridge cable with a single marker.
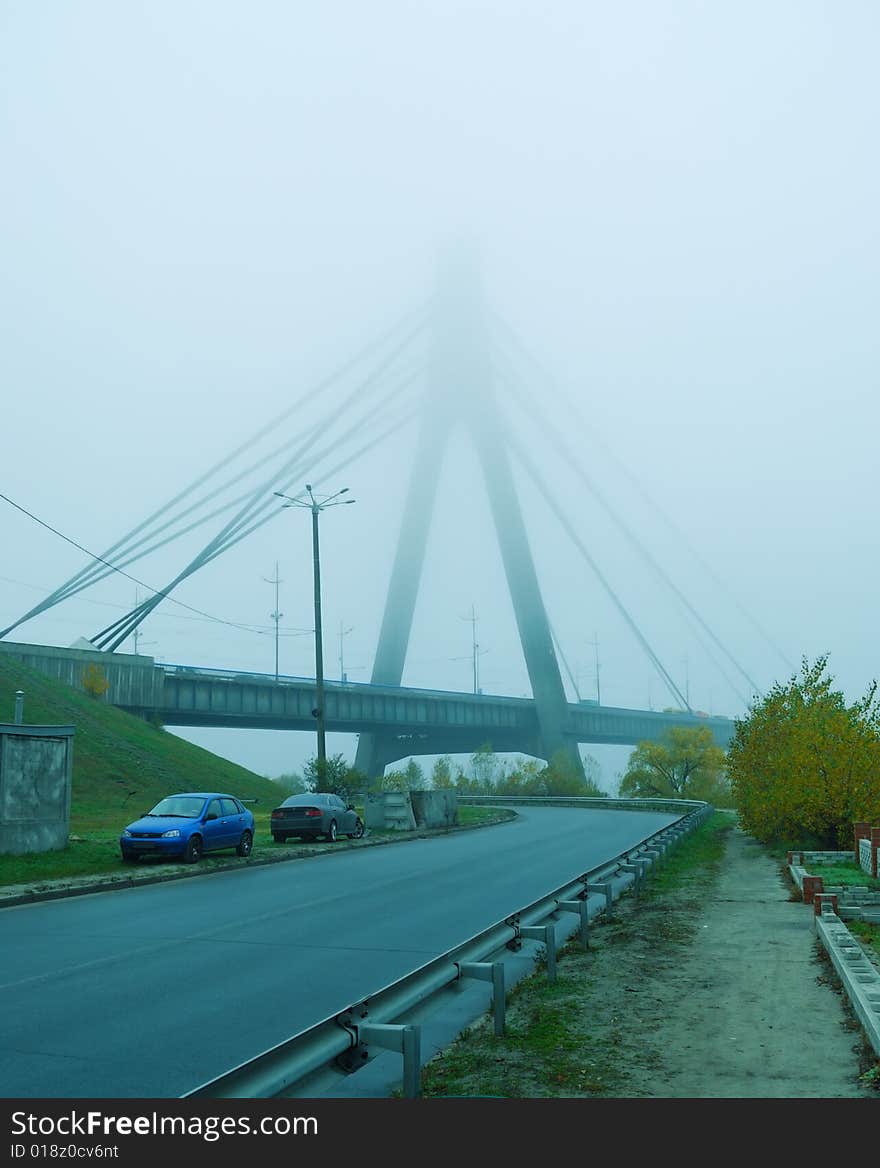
(533, 473)
(565, 663)
(137, 615)
(562, 448)
(64, 590)
(134, 579)
(514, 341)
(133, 554)
(113, 635)
(319, 426)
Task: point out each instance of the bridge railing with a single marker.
(342, 1043)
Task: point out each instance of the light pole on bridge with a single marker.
(316, 507)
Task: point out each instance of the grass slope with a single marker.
(121, 764)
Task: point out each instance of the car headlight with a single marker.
(173, 834)
(126, 831)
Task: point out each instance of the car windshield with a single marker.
(178, 807)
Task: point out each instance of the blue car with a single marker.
(184, 827)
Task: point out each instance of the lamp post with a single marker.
(316, 507)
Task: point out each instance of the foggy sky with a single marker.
(207, 207)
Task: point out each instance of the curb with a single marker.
(858, 975)
(113, 883)
(860, 978)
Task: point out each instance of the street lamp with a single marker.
(312, 504)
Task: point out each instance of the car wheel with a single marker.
(245, 844)
(331, 832)
(278, 837)
(193, 852)
(129, 859)
(358, 829)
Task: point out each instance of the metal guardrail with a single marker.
(344, 1039)
(606, 802)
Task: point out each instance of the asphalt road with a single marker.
(148, 992)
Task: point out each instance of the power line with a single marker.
(134, 579)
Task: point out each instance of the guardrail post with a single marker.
(488, 971)
(406, 1040)
(643, 864)
(607, 889)
(583, 910)
(636, 869)
(547, 934)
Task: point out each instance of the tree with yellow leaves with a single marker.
(803, 764)
(685, 763)
(94, 681)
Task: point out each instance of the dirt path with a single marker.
(749, 1011)
(716, 989)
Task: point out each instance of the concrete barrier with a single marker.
(434, 808)
(388, 811)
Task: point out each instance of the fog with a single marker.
(209, 208)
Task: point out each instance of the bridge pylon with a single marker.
(461, 392)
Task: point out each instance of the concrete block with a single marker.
(434, 808)
(389, 811)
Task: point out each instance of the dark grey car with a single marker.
(313, 814)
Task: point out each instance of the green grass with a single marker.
(845, 874)
(701, 851)
(866, 932)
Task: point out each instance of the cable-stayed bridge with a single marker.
(450, 367)
(404, 720)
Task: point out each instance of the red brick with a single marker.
(822, 898)
(811, 885)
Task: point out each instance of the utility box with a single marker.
(36, 775)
